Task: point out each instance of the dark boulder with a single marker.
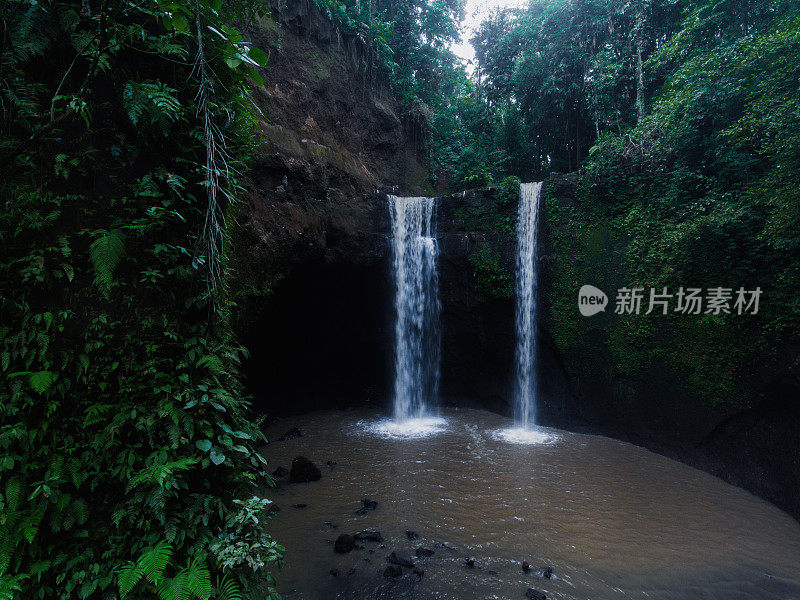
(330, 463)
(368, 535)
(398, 558)
(533, 594)
(292, 434)
(546, 573)
(366, 506)
(469, 563)
(280, 472)
(444, 545)
(334, 572)
(300, 505)
(393, 571)
(424, 551)
(304, 470)
(526, 566)
(412, 535)
(420, 573)
(344, 544)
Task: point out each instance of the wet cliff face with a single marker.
(754, 444)
(311, 254)
(324, 335)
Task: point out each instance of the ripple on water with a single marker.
(406, 429)
(520, 435)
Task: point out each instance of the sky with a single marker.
(476, 11)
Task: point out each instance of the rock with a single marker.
(350, 571)
(300, 505)
(292, 434)
(546, 573)
(444, 545)
(398, 558)
(366, 506)
(412, 535)
(491, 572)
(424, 551)
(368, 535)
(526, 566)
(344, 544)
(304, 470)
(393, 571)
(533, 594)
(280, 472)
(334, 572)
(469, 563)
(420, 573)
(330, 463)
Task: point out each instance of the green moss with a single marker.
(492, 279)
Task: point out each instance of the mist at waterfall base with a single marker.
(417, 330)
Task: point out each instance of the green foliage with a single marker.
(492, 279)
(123, 431)
(191, 581)
(105, 254)
(698, 194)
(406, 41)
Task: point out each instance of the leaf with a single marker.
(258, 55)
(13, 493)
(154, 561)
(198, 578)
(217, 458)
(179, 23)
(233, 62)
(204, 445)
(106, 252)
(42, 380)
(129, 576)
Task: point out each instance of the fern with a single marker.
(42, 380)
(129, 576)
(106, 252)
(228, 589)
(193, 581)
(198, 578)
(154, 561)
(13, 493)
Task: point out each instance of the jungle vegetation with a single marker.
(128, 462)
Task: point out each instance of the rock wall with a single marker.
(755, 446)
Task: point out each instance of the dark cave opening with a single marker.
(323, 340)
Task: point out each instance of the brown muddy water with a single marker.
(612, 520)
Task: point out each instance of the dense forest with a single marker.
(129, 465)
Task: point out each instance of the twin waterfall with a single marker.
(525, 386)
(417, 334)
(417, 339)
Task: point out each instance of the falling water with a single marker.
(417, 338)
(527, 235)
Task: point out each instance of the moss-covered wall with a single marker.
(717, 391)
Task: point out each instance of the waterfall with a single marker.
(525, 391)
(417, 336)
